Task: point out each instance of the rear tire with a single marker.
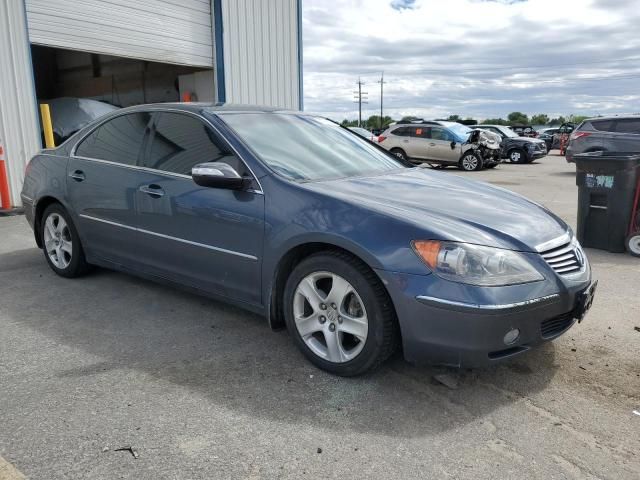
(398, 152)
(633, 244)
(61, 243)
(320, 315)
(517, 155)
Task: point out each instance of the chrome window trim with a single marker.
(72, 153)
(487, 307)
(169, 237)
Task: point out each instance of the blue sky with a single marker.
(477, 58)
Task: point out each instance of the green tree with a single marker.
(577, 118)
(349, 123)
(540, 119)
(557, 121)
(453, 118)
(374, 121)
(518, 118)
(408, 118)
(495, 121)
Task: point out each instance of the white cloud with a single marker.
(480, 58)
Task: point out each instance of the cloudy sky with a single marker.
(477, 58)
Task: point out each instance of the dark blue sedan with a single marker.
(295, 217)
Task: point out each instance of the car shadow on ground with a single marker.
(232, 359)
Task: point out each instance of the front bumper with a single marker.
(463, 333)
(535, 154)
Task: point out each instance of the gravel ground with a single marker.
(199, 389)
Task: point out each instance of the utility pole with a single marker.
(381, 82)
(359, 100)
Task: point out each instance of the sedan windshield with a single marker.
(304, 147)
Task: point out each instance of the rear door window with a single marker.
(118, 140)
(602, 125)
(421, 132)
(628, 125)
(181, 141)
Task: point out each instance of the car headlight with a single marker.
(475, 264)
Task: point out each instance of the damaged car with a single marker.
(515, 148)
(442, 143)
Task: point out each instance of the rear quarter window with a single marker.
(117, 140)
(401, 132)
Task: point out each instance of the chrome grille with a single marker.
(564, 259)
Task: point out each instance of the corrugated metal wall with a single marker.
(177, 31)
(261, 52)
(19, 130)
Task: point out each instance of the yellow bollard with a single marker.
(47, 127)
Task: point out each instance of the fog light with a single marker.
(511, 336)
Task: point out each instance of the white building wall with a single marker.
(258, 56)
(261, 52)
(164, 31)
(19, 128)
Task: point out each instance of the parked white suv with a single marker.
(441, 143)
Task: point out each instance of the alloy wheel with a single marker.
(57, 241)
(330, 316)
(469, 162)
(515, 157)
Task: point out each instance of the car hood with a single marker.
(448, 207)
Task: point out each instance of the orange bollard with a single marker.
(4, 185)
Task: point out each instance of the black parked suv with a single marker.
(612, 134)
(515, 148)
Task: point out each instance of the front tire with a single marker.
(339, 314)
(470, 162)
(61, 243)
(517, 155)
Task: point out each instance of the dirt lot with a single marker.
(203, 390)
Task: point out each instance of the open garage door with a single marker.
(167, 31)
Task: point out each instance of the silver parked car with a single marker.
(441, 143)
(607, 134)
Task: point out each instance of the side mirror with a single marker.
(217, 175)
(453, 144)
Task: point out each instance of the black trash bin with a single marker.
(606, 187)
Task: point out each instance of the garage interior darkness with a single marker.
(118, 81)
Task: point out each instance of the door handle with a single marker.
(152, 190)
(432, 144)
(77, 175)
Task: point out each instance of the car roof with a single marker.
(613, 117)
